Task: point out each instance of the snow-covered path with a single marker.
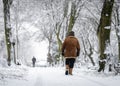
(56, 77)
(51, 76)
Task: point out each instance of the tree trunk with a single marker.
(117, 31)
(103, 32)
(119, 50)
(91, 52)
(17, 27)
(72, 17)
(118, 37)
(58, 29)
(7, 26)
(13, 43)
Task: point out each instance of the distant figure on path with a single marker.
(33, 61)
(70, 50)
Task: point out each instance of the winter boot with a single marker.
(66, 72)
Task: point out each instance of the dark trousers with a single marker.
(70, 62)
(33, 64)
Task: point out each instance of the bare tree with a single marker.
(103, 32)
(7, 4)
(117, 24)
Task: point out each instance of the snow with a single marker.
(54, 76)
(40, 15)
(3, 62)
(40, 50)
(69, 7)
(107, 27)
(107, 14)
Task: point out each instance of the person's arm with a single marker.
(78, 48)
(63, 48)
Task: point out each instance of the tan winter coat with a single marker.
(70, 47)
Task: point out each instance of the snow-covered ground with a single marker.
(54, 76)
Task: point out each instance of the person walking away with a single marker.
(33, 61)
(70, 50)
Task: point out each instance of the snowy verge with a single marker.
(12, 72)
